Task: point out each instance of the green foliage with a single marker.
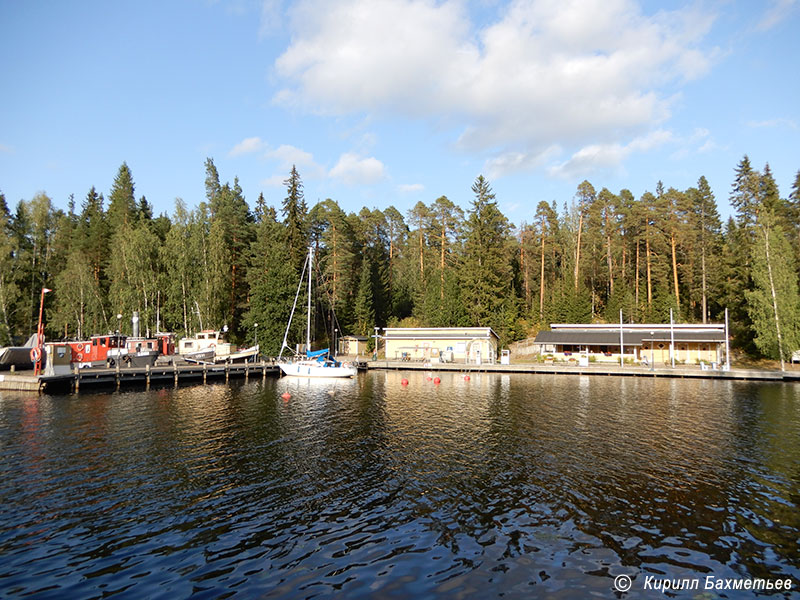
(774, 303)
(364, 310)
(221, 264)
(485, 270)
(295, 219)
(272, 280)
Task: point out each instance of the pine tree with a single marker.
(9, 291)
(546, 228)
(446, 221)
(585, 196)
(706, 230)
(230, 237)
(364, 310)
(272, 279)
(485, 271)
(295, 214)
(122, 207)
(744, 194)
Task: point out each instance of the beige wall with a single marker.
(421, 349)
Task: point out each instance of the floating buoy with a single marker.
(466, 377)
(404, 381)
(286, 395)
(437, 381)
(429, 377)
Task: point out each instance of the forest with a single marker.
(223, 263)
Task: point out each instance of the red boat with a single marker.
(109, 349)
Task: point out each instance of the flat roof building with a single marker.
(645, 343)
(473, 345)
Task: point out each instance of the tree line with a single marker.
(597, 255)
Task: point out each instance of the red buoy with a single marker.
(429, 377)
(404, 381)
(286, 395)
(466, 377)
(437, 381)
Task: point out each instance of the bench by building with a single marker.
(469, 345)
(638, 343)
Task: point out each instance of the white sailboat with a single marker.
(313, 364)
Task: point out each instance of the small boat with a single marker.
(211, 345)
(317, 364)
(19, 356)
(312, 364)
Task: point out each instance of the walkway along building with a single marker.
(637, 343)
(469, 345)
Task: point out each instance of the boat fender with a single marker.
(404, 381)
(466, 377)
(36, 354)
(437, 381)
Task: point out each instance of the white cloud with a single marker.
(577, 73)
(778, 11)
(596, 157)
(290, 156)
(274, 181)
(788, 123)
(410, 188)
(354, 170)
(247, 146)
(512, 162)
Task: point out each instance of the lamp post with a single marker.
(652, 353)
(335, 347)
(255, 339)
(376, 344)
(37, 362)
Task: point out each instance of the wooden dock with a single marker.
(89, 378)
(175, 374)
(680, 372)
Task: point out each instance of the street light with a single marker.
(255, 338)
(335, 335)
(652, 353)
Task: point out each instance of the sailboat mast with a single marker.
(308, 316)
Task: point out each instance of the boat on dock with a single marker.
(212, 346)
(18, 356)
(111, 349)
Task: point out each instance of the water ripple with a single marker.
(516, 485)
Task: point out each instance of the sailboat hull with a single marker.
(314, 369)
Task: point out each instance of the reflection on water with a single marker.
(524, 486)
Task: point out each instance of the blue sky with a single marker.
(389, 102)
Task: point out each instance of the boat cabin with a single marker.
(208, 339)
(98, 348)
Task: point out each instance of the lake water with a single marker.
(513, 486)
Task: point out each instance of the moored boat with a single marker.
(212, 346)
(312, 364)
